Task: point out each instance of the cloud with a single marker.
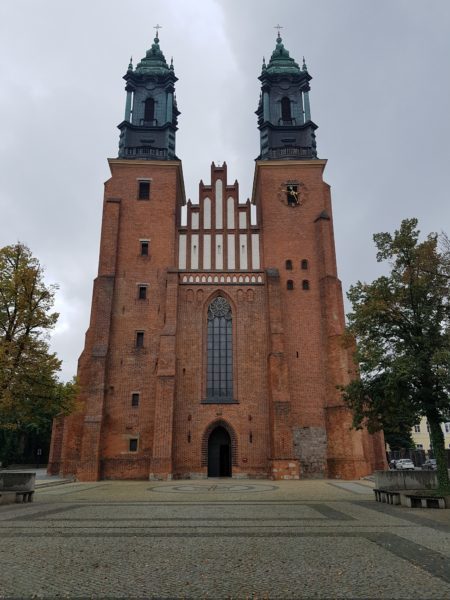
(380, 96)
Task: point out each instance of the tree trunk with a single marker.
(438, 445)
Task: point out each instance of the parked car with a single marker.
(404, 464)
(430, 465)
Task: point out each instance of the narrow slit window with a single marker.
(144, 247)
(139, 339)
(289, 265)
(135, 399)
(144, 190)
(305, 284)
(133, 444)
(142, 292)
(290, 284)
(304, 264)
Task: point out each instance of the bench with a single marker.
(16, 486)
(419, 501)
(411, 500)
(387, 496)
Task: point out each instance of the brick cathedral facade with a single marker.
(214, 345)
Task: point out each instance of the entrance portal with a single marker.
(219, 453)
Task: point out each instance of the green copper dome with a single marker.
(154, 62)
(280, 62)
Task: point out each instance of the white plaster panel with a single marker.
(194, 219)
(219, 195)
(182, 252)
(255, 251)
(242, 220)
(243, 262)
(230, 213)
(219, 251)
(206, 213)
(194, 251)
(231, 252)
(207, 251)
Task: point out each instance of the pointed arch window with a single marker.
(219, 378)
(286, 109)
(149, 110)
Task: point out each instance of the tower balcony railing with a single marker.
(287, 122)
(291, 152)
(146, 152)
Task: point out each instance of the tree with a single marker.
(401, 323)
(30, 392)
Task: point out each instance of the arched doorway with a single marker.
(219, 453)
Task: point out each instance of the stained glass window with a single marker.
(220, 352)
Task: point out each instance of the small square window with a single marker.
(289, 265)
(142, 292)
(144, 247)
(447, 428)
(304, 264)
(144, 190)
(133, 444)
(305, 284)
(290, 284)
(135, 399)
(139, 339)
(417, 428)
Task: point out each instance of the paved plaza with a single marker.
(219, 539)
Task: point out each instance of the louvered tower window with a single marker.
(149, 110)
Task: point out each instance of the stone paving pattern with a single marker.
(221, 539)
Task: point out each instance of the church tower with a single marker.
(214, 345)
(148, 129)
(284, 115)
(309, 421)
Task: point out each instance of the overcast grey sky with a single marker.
(380, 96)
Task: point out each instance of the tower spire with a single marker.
(285, 125)
(150, 123)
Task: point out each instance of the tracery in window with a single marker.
(219, 386)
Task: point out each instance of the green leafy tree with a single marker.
(401, 323)
(30, 392)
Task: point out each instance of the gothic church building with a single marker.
(214, 347)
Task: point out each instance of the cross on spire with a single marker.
(157, 27)
(278, 27)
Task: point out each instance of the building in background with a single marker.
(420, 434)
(214, 346)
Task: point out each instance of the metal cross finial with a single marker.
(157, 27)
(278, 27)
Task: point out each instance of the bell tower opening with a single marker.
(219, 453)
(285, 110)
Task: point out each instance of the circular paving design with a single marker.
(232, 488)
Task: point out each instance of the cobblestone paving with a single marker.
(221, 539)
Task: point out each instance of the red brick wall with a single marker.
(288, 419)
